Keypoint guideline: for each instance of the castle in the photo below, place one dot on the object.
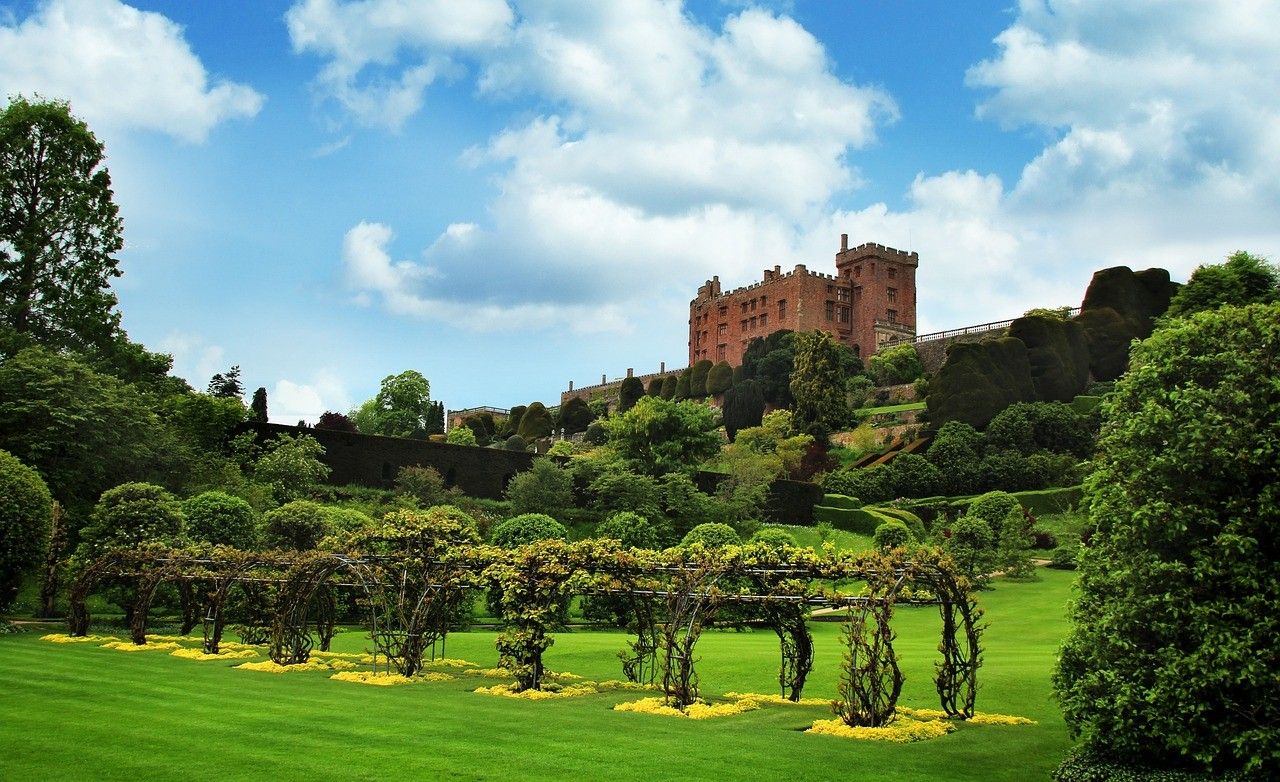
(870, 300)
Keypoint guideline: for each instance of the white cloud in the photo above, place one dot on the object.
(120, 68)
(290, 402)
(194, 359)
(383, 54)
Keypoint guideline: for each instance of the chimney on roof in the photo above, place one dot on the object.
(844, 242)
(604, 379)
(630, 371)
(570, 385)
(662, 367)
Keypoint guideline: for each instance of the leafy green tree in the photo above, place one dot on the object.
(219, 518)
(817, 383)
(535, 423)
(291, 466)
(911, 475)
(575, 416)
(770, 361)
(972, 545)
(629, 393)
(84, 432)
(698, 378)
(59, 232)
(528, 528)
(683, 503)
(630, 529)
(461, 435)
(1243, 279)
(1173, 652)
(258, 407)
(956, 451)
(131, 514)
(1041, 426)
(401, 408)
(743, 407)
(661, 436)
(338, 422)
(719, 379)
(896, 365)
(669, 387)
(227, 384)
(617, 489)
(299, 525)
(546, 488)
(206, 421)
(424, 485)
(26, 511)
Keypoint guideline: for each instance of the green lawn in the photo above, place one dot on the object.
(863, 412)
(77, 711)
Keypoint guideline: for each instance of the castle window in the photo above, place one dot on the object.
(893, 293)
(753, 323)
(893, 316)
(743, 326)
(873, 267)
(893, 272)
(831, 310)
(764, 320)
(722, 329)
(724, 312)
(844, 314)
(753, 305)
(764, 300)
(842, 294)
(782, 309)
(857, 270)
(744, 306)
(720, 352)
(830, 289)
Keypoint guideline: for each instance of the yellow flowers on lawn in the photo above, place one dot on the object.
(268, 666)
(508, 691)
(130, 646)
(902, 730)
(778, 700)
(387, 679)
(63, 638)
(999, 719)
(496, 673)
(202, 656)
(445, 662)
(694, 711)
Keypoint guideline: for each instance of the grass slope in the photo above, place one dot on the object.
(77, 711)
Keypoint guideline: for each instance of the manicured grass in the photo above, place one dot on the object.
(808, 537)
(863, 412)
(78, 711)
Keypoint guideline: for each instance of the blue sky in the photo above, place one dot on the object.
(508, 195)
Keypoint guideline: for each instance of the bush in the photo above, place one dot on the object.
(221, 519)
(719, 379)
(1058, 353)
(684, 503)
(910, 475)
(131, 514)
(461, 435)
(424, 485)
(743, 407)
(528, 528)
(971, 544)
(993, 507)
(892, 534)
(773, 537)
(895, 365)
(516, 443)
(630, 529)
(712, 535)
(1065, 554)
(347, 520)
(867, 484)
(596, 434)
(1175, 622)
(536, 423)
(1082, 765)
(546, 488)
(575, 415)
(841, 501)
(629, 393)
(26, 511)
(978, 380)
(616, 489)
(1041, 426)
(913, 522)
(956, 451)
(299, 525)
(291, 466)
(698, 378)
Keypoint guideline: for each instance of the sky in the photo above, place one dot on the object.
(508, 195)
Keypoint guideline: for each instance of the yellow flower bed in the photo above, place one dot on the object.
(445, 662)
(615, 684)
(339, 655)
(497, 673)
(999, 719)
(901, 731)
(565, 677)
(694, 711)
(201, 655)
(269, 666)
(130, 646)
(508, 691)
(63, 638)
(151, 638)
(778, 699)
(387, 679)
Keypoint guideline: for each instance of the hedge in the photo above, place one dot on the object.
(1041, 502)
(841, 501)
(862, 521)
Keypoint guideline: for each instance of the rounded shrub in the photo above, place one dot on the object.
(972, 545)
(527, 528)
(892, 534)
(516, 443)
(631, 529)
(349, 520)
(25, 511)
(993, 507)
(712, 535)
(773, 537)
(222, 519)
(595, 434)
(130, 514)
(299, 525)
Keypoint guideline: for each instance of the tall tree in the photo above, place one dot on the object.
(59, 231)
(817, 382)
(258, 407)
(1243, 279)
(227, 384)
(401, 408)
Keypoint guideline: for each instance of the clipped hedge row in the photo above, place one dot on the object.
(862, 521)
(1040, 502)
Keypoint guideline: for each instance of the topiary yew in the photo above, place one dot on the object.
(979, 380)
(219, 518)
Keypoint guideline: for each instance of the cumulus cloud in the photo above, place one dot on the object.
(381, 55)
(193, 358)
(290, 402)
(119, 67)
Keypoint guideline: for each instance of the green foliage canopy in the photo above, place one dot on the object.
(26, 508)
(132, 514)
(1243, 279)
(222, 519)
(629, 393)
(895, 365)
(546, 488)
(817, 383)
(660, 436)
